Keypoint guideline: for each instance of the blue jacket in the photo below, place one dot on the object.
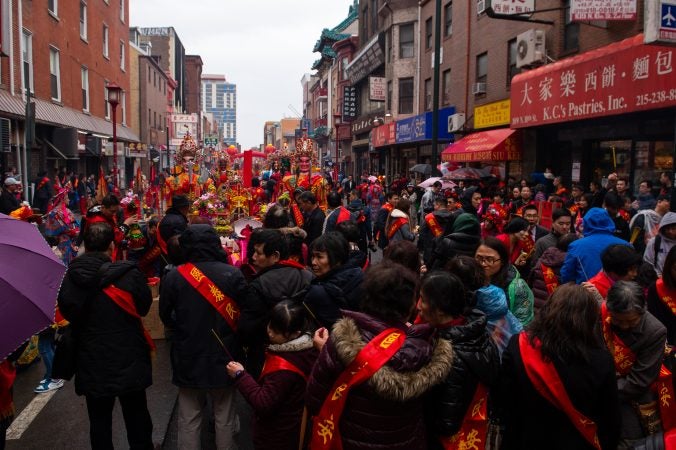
(583, 259)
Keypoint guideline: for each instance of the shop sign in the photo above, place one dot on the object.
(367, 60)
(660, 21)
(137, 150)
(349, 103)
(377, 88)
(621, 78)
(492, 115)
(419, 128)
(583, 10)
(385, 135)
(512, 6)
(363, 124)
(343, 132)
(183, 124)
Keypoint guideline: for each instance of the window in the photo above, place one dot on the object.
(374, 16)
(53, 7)
(85, 88)
(122, 10)
(511, 61)
(123, 104)
(149, 70)
(343, 65)
(482, 68)
(448, 18)
(388, 105)
(363, 21)
(571, 31)
(429, 33)
(405, 95)
(428, 94)
(83, 20)
(406, 41)
(122, 55)
(446, 87)
(150, 114)
(106, 107)
(105, 41)
(154, 78)
(154, 119)
(388, 50)
(27, 58)
(54, 74)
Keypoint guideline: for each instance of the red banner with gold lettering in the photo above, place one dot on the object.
(474, 428)
(433, 223)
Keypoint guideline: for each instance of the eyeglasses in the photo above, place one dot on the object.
(489, 260)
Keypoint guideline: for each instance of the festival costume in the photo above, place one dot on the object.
(309, 181)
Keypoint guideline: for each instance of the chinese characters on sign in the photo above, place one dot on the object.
(377, 89)
(623, 77)
(602, 10)
(349, 103)
(513, 6)
(492, 115)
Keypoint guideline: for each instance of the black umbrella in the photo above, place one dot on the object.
(424, 169)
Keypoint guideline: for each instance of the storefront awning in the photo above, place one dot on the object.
(620, 78)
(59, 152)
(492, 145)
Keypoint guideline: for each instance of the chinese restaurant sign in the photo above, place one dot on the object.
(581, 10)
(492, 115)
(513, 6)
(384, 135)
(623, 77)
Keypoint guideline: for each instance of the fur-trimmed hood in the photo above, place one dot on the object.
(411, 378)
(294, 231)
(303, 342)
(397, 213)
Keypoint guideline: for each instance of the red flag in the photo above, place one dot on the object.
(101, 187)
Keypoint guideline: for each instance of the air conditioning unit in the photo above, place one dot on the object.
(479, 88)
(480, 6)
(4, 136)
(530, 48)
(456, 122)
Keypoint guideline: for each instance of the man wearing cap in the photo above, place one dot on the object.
(8, 200)
(174, 222)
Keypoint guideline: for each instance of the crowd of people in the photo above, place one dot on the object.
(480, 327)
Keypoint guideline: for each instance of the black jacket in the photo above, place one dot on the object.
(172, 223)
(198, 361)
(338, 289)
(464, 240)
(113, 357)
(8, 202)
(475, 359)
(532, 423)
(314, 224)
(426, 237)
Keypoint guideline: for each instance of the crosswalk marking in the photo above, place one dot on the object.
(29, 413)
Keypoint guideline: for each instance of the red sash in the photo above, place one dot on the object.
(433, 223)
(388, 207)
(343, 215)
(624, 358)
(275, 363)
(225, 306)
(472, 433)
(42, 183)
(161, 242)
(297, 215)
(395, 226)
(550, 278)
(666, 295)
(7, 376)
(547, 382)
(291, 263)
(125, 300)
(325, 432)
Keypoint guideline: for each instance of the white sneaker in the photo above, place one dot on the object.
(48, 385)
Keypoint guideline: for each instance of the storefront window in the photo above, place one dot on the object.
(615, 157)
(652, 157)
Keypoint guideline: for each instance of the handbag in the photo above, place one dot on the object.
(65, 353)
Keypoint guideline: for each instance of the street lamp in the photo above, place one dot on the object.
(114, 93)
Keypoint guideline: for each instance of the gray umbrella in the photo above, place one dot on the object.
(424, 169)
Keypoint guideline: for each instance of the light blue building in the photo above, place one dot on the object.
(220, 99)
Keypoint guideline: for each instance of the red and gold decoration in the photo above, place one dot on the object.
(303, 160)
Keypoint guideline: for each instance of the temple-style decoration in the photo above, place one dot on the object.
(184, 180)
(302, 175)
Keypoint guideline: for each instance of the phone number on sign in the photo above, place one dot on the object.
(656, 97)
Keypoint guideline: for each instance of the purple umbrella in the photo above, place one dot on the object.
(30, 277)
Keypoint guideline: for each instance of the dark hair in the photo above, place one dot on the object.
(333, 199)
(308, 196)
(276, 217)
(287, 317)
(646, 275)
(648, 183)
(565, 240)
(349, 229)
(98, 236)
(589, 198)
(612, 200)
(153, 221)
(273, 241)
(335, 245)
(669, 262)
(404, 253)
(404, 205)
(470, 272)
(437, 184)
(500, 278)
(390, 291)
(444, 292)
(661, 197)
(110, 200)
(439, 200)
(389, 195)
(619, 259)
(567, 326)
(515, 225)
(540, 187)
(560, 212)
(529, 206)
(626, 296)
(577, 186)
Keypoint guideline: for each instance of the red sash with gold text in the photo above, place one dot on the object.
(472, 433)
(325, 433)
(395, 226)
(125, 300)
(624, 358)
(297, 215)
(275, 363)
(666, 295)
(550, 278)
(225, 306)
(433, 223)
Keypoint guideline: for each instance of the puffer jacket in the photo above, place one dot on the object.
(197, 359)
(404, 232)
(501, 323)
(476, 360)
(463, 240)
(665, 245)
(113, 357)
(552, 258)
(386, 411)
(336, 290)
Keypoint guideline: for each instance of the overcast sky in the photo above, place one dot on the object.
(263, 46)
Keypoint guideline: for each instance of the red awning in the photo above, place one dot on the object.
(492, 145)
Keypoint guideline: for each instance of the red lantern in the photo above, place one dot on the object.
(232, 150)
(270, 149)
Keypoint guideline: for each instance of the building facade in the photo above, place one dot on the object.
(219, 97)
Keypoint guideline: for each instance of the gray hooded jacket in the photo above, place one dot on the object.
(665, 245)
